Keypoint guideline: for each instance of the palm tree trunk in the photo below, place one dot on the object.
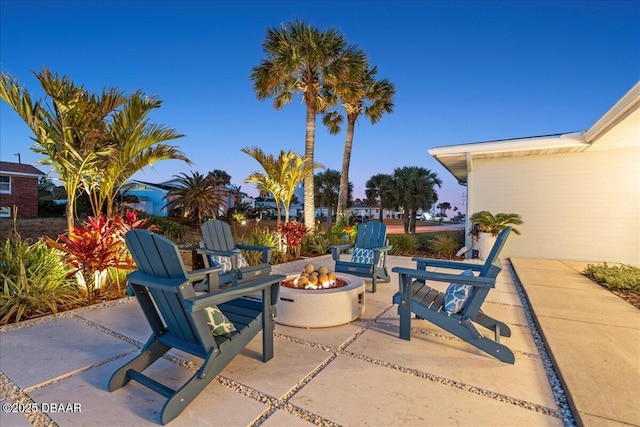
(405, 221)
(278, 214)
(329, 217)
(346, 160)
(309, 141)
(412, 225)
(70, 213)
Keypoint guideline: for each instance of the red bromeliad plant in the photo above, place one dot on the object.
(292, 234)
(96, 246)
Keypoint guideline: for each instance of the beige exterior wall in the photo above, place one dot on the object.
(576, 206)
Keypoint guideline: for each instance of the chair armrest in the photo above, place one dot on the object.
(342, 248)
(139, 278)
(266, 251)
(197, 275)
(423, 263)
(233, 254)
(383, 248)
(201, 302)
(214, 252)
(336, 250)
(478, 282)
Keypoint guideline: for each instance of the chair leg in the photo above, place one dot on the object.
(470, 334)
(492, 324)
(152, 351)
(177, 402)
(268, 325)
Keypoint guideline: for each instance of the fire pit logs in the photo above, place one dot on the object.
(312, 278)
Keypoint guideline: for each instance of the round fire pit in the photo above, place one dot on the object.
(321, 308)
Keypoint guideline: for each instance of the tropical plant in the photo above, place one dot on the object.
(300, 59)
(194, 196)
(137, 143)
(414, 190)
(281, 176)
(70, 132)
(93, 142)
(35, 281)
(318, 243)
(97, 246)
(403, 244)
(326, 194)
(292, 233)
(444, 206)
(360, 95)
(486, 222)
(170, 229)
(445, 246)
(346, 228)
(259, 236)
(380, 190)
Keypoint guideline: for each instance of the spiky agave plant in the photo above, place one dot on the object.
(485, 221)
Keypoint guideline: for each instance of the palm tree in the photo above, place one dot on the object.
(71, 132)
(236, 190)
(414, 190)
(220, 178)
(443, 209)
(137, 144)
(195, 196)
(379, 190)
(327, 187)
(299, 59)
(93, 142)
(281, 176)
(361, 95)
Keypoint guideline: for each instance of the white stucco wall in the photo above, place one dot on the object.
(576, 206)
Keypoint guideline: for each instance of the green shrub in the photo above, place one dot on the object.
(614, 277)
(170, 229)
(444, 246)
(259, 237)
(317, 243)
(35, 281)
(403, 244)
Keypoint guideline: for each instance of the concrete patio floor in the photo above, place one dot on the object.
(358, 374)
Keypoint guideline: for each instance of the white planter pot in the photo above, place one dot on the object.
(484, 244)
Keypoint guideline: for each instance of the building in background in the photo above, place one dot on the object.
(578, 193)
(19, 189)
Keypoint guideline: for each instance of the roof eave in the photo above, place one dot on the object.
(620, 110)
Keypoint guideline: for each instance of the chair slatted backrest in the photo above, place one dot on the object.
(371, 235)
(495, 251)
(159, 258)
(217, 236)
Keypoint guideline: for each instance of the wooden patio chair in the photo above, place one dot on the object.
(369, 257)
(220, 250)
(185, 321)
(459, 309)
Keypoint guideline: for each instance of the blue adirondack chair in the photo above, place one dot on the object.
(179, 319)
(415, 296)
(220, 247)
(369, 258)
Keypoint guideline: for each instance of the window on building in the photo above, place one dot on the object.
(5, 184)
(5, 212)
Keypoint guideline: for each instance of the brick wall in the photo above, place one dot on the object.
(24, 194)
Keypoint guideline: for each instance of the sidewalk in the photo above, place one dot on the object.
(359, 374)
(593, 338)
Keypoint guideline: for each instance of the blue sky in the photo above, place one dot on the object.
(464, 72)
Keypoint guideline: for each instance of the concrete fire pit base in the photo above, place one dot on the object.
(310, 308)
